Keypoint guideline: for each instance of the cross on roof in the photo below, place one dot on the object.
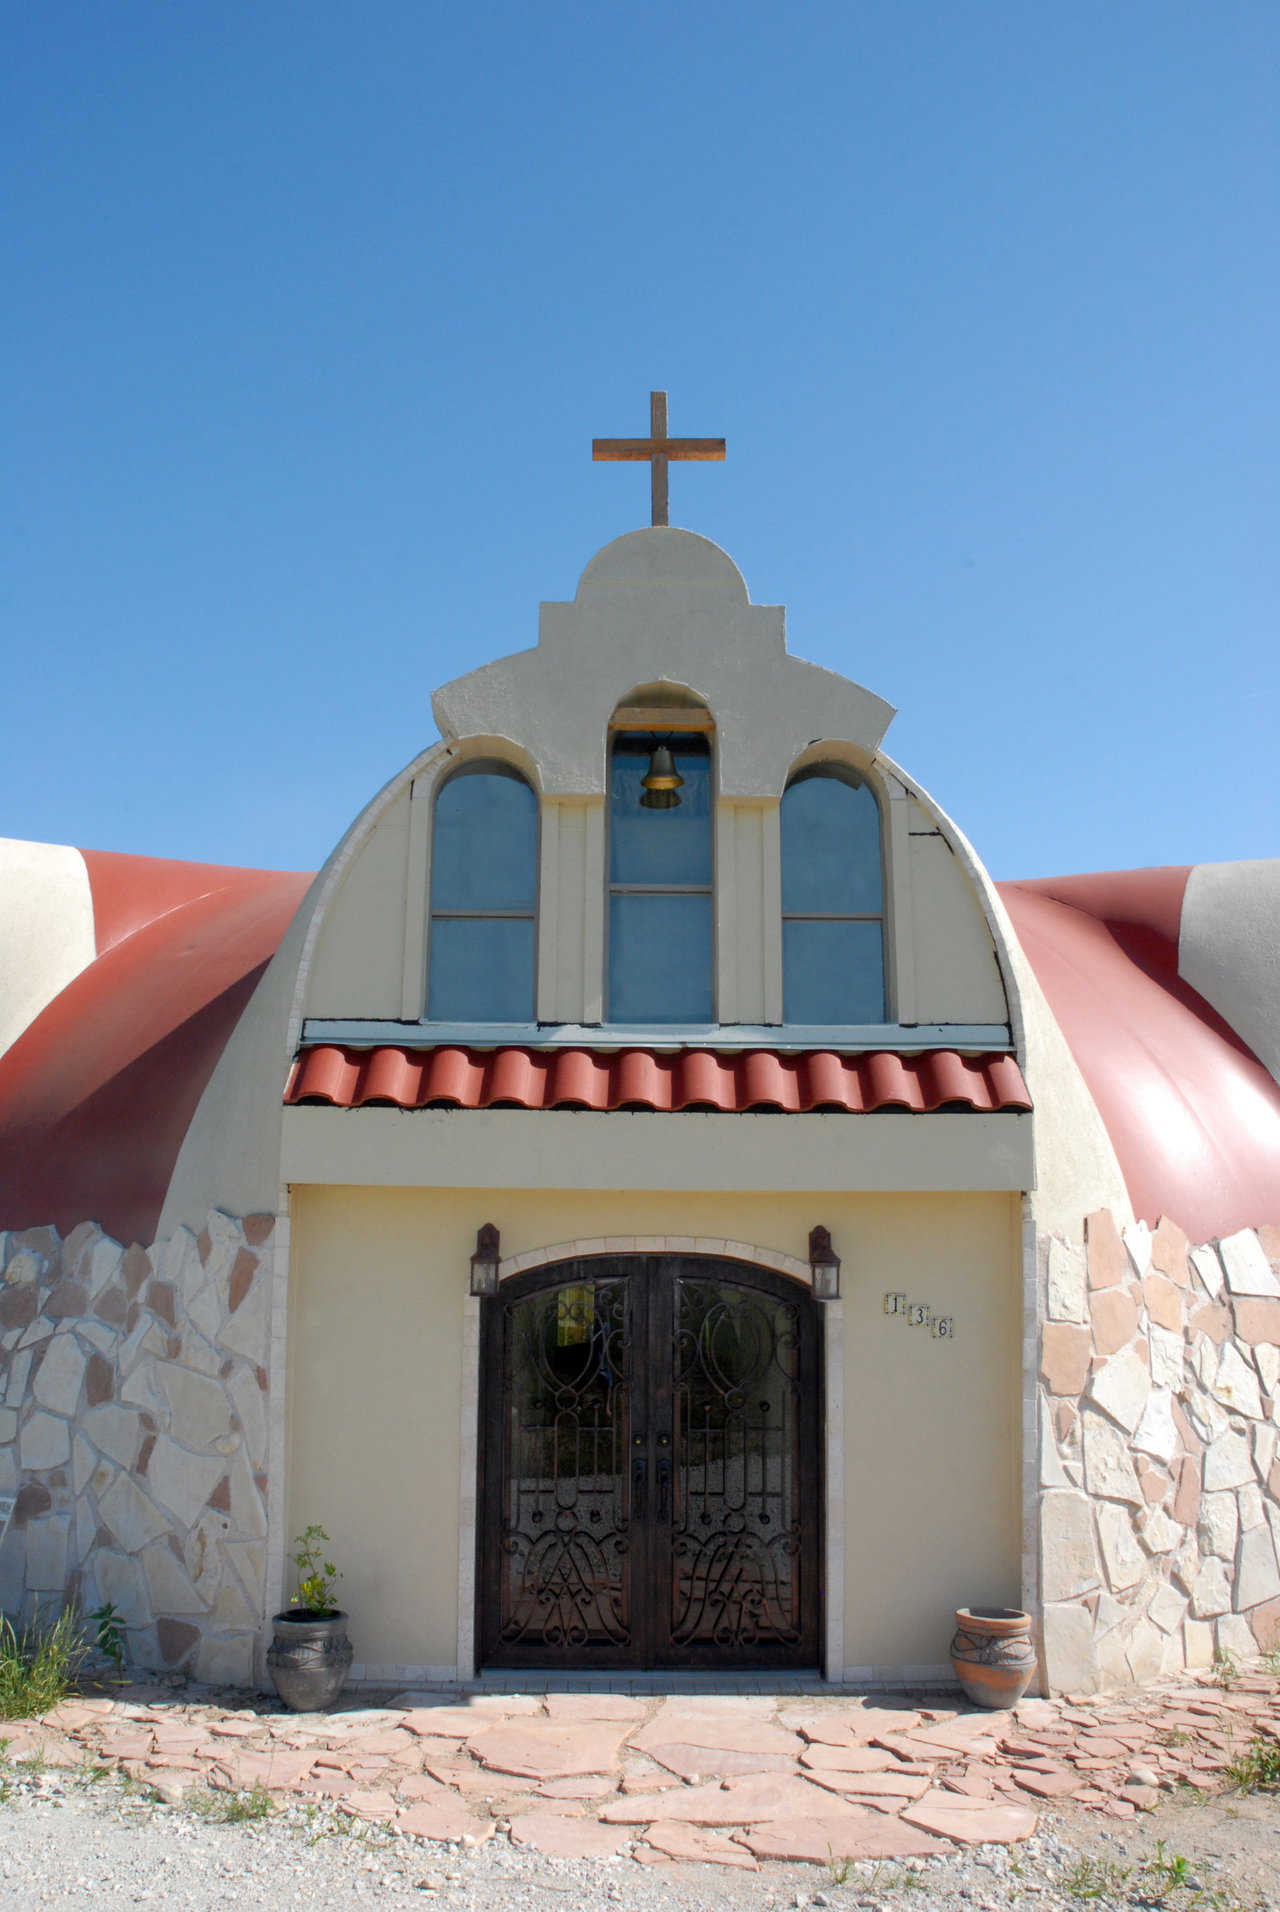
(658, 450)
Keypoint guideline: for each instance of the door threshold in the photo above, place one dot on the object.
(643, 1680)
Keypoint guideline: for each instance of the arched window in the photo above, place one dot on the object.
(832, 900)
(660, 879)
(484, 865)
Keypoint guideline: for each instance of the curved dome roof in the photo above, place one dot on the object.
(98, 1092)
(1193, 1115)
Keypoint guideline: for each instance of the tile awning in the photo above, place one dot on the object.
(809, 1081)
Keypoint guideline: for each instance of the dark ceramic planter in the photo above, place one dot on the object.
(992, 1654)
(309, 1658)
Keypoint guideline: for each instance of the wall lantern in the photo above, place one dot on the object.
(484, 1263)
(661, 782)
(824, 1265)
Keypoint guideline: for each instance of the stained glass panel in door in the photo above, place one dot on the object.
(737, 1517)
(564, 1519)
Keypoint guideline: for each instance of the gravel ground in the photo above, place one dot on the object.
(68, 1840)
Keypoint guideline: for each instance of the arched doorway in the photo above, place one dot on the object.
(650, 1460)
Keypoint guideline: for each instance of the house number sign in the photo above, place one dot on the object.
(7, 1504)
(918, 1314)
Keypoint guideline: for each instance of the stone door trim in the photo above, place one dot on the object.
(769, 1258)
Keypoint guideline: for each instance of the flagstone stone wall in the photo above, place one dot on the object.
(1159, 1413)
(133, 1433)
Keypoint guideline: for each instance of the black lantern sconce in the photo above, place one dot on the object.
(484, 1263)
(824, 1265)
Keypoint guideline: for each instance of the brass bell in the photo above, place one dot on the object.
(661, 782)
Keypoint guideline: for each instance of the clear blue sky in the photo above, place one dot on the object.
(311, 313)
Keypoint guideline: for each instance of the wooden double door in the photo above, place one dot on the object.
(650, 1466)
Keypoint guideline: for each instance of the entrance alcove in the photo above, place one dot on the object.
(651, 1490)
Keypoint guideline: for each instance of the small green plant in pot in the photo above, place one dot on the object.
(310, 1654)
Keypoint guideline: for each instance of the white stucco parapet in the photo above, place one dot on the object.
(661, 607)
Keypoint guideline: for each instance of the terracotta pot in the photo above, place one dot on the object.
(992, 1654)
(308, 1658)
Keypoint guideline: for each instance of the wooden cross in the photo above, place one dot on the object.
(658, 450)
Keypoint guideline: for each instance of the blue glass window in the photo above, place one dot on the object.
(660, 941)
(484, 867)
(832, 901)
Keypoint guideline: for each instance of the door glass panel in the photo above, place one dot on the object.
(565, 1515)
(737, 1530)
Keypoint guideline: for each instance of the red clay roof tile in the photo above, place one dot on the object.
(696, 1079)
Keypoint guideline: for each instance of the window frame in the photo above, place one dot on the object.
(481, 767)
(832, 770)
(651, 738)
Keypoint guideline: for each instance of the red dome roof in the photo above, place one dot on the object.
(1193, 1116)
(96, 1096)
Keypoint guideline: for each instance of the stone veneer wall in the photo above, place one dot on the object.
(133, 1431)
(1159, 1437)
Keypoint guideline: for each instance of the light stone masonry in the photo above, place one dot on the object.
(1171, 1553)
(134, 1434)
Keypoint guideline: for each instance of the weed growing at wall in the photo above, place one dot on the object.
(38, 1665)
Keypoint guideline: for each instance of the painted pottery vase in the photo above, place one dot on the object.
(992, 1654)
(309, 1658)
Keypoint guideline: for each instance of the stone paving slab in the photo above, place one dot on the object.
(727, 1779)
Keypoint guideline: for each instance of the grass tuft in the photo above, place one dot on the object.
(234, 1809)
(1225, 1671)
(1096, 1879)
(38, 1665)
(1257, 1769)
(1169, 1875)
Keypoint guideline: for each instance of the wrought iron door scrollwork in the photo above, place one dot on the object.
(736, 1542)
(650, 1485)
(565, 1518)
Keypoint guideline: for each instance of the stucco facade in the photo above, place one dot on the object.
(292, 1337)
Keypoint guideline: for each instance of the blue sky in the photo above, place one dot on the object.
(311, 313)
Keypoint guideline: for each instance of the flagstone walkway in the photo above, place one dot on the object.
(729, 1779)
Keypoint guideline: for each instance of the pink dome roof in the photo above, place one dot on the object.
(1192, 1114)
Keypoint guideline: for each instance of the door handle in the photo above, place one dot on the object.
(664, 1487)
(639, 1466)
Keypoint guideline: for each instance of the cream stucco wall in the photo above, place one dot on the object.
(359, 952)
(370, 950)
(375, 1349)
(956, 977)
(663, 606)
(932, 1444)
(377, 1303)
